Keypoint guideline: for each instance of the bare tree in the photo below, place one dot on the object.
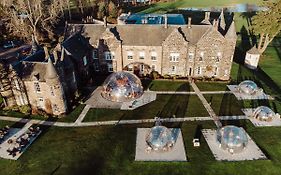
(33, 17)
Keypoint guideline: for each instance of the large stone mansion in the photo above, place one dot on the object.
(49, 82)
(204, 50)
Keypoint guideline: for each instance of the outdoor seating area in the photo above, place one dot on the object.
(4, 132)
(14, 146)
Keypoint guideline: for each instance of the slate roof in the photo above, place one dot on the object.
(31, 69)
(254, 51)
(76, 45)
(138, 35)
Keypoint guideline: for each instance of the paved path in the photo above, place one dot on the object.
(116, 122)
(83, 114)
(206, 105)
(182, 92)
(112, 122)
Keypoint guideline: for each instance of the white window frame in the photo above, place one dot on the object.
(153, 55)
(95, 55)
(153, 69)
(199, 70)
(201, 57)
(40, 102)
(130, 54)
(226, 72)
(130, 67)
(173, 69)
(109, 55)
(142, 55)
(218, 58)
(37, 87)
(85, 61)
(174, 57)
(109, 67)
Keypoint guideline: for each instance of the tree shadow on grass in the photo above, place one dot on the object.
(176, 105)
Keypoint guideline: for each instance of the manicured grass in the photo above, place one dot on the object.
(111, 150)
(73, 115)
(170, 6)
(212, 86)
(165, 106)
(225, 104)
(168, 85)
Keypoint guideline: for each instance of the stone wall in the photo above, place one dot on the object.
(50, 98)
(175, 44)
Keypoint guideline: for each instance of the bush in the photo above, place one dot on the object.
(25, 109)
(154, 75)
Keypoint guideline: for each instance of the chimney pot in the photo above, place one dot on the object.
(55, 53)
(104, 21)
(189, 22)
(47, 56)
(166, 21)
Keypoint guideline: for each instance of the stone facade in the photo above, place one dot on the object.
(196, 51)
(45, 82)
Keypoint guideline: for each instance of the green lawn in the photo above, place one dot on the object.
(164, 106)
(73, 115)
(170, 6)
(212, 86)
(225, 104)
(111, 150)
(168, 85)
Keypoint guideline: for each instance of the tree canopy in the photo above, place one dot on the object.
(32, 17)
(267, 24)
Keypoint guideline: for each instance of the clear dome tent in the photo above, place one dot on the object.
(249, 87)
(232, 139)
(263, 113)
(160, 138)
(122, 87)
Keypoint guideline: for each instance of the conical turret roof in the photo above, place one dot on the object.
(222, 21)
(231, 33)
(51, 72)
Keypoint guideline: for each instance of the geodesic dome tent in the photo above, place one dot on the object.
(249, 87)
(122, 87)
(232, 138)
(263, 113)
(160, 138)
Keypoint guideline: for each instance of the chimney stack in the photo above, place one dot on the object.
(189, 22)
(104, 21)
(55, 53)
(215, 24)
(166, 21)
(47, 56)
